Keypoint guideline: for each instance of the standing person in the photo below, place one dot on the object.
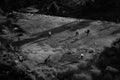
(77, 33)
(49, 34)
(87, 32)
(47, 60)
(82, 56)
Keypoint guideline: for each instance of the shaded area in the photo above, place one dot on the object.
(108, 62)
(87, 9)
(12, 73)
(9, 69)
(105, 28)
(116, 32)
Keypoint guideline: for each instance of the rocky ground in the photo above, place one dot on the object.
(57, 48)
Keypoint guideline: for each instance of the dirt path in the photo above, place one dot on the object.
(70, 26)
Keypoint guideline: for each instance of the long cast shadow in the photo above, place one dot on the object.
(70, 26)
(116, 32)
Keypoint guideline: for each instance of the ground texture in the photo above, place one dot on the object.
(71, 52)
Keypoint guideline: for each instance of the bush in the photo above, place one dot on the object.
(108, 62)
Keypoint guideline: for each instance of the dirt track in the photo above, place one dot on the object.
(70, 26)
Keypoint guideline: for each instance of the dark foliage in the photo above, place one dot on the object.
(108, 62)
(89, 9)
(10, 72)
